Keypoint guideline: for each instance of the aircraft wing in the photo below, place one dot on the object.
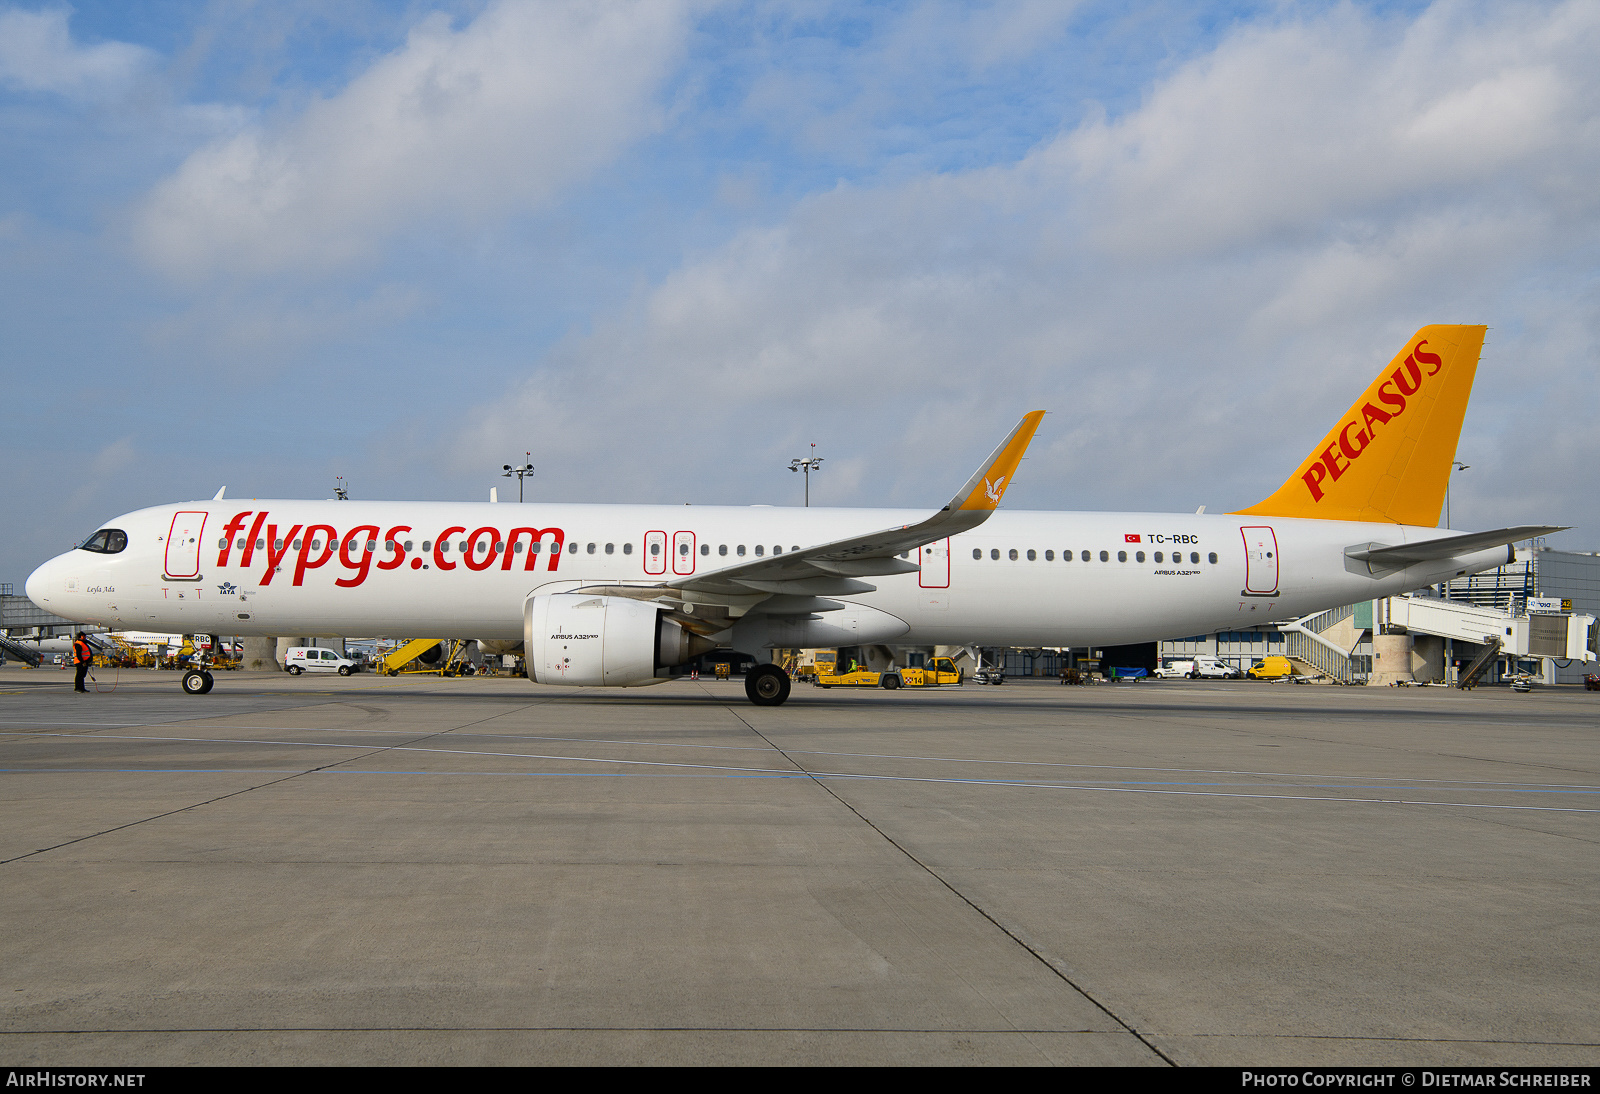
(833, 568)
(1378, 554)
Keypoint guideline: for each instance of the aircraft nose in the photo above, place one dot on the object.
(41, 582)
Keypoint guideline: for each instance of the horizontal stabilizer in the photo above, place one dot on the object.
(1399, 555)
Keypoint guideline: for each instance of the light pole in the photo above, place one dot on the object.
(813, 463)
(1455, 466)
(520, 472)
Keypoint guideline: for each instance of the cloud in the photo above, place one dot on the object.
(37, 53)
(457, 126)
(1195, 288)
(1286, 127)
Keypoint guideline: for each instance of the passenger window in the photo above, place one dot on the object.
(722, 549)
(1033, 555)
(740, 551)
(533, 548)
(683, 549)
(1013, 554)
(994, 553)
(655, 550)
(611, 548)
(1086, 556)
(1049, 556)
(758, 550)
(1138, 556)
(1194, 557)
(627, 548)
(705, 549)
(776, 549)
(1158, 556)
(572, 548)
(1105, 556)
(1122, 556)
(977, 552)
(1213, 557)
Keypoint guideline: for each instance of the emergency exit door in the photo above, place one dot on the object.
(935, 559)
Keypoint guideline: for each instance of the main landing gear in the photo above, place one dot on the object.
(197, 682)
(766, 685)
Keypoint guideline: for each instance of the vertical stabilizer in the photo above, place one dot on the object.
(1389, 456)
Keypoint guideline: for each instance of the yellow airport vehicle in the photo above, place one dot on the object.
(1271, 668)
(809, 664)
(856, 677)
(447, 662)
(942, 672)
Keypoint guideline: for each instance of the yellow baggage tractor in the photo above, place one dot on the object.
(941, 672)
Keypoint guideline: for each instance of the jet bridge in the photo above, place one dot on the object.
(1569, 636)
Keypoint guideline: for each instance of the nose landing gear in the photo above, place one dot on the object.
(197, 682)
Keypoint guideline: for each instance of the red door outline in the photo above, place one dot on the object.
(655, 563)
(682, 562)
(1261, 560)
(183, 543)
(934, 559)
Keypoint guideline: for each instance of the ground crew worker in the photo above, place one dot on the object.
(83, 657)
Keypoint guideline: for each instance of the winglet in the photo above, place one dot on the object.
(219, 493)
(985, 489)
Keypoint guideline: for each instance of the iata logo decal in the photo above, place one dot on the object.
(1356, 435)
(995, 489)
(227, 588)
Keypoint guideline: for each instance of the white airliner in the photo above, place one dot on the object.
(618, 595)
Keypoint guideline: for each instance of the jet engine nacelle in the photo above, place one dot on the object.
(602, 641)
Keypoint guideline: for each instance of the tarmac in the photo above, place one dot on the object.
(417, 870)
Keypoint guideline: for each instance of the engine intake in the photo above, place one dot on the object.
(602, 641)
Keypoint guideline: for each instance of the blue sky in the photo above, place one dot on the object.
(667, 246)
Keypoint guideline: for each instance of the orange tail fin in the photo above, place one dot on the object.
(1389, 456)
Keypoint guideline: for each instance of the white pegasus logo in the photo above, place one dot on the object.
(994, 489)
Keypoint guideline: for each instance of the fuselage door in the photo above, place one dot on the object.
(935, 558)
(683, 552)
(655, 552)
(183, 544)
(1261, 560)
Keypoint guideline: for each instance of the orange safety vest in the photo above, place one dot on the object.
(82, 652)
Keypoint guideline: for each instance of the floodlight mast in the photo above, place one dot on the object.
(522, 471)
(812, 463)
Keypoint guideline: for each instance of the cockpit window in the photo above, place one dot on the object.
(107, 541)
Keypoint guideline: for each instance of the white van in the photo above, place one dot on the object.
(316, 659)
(1209, 668)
